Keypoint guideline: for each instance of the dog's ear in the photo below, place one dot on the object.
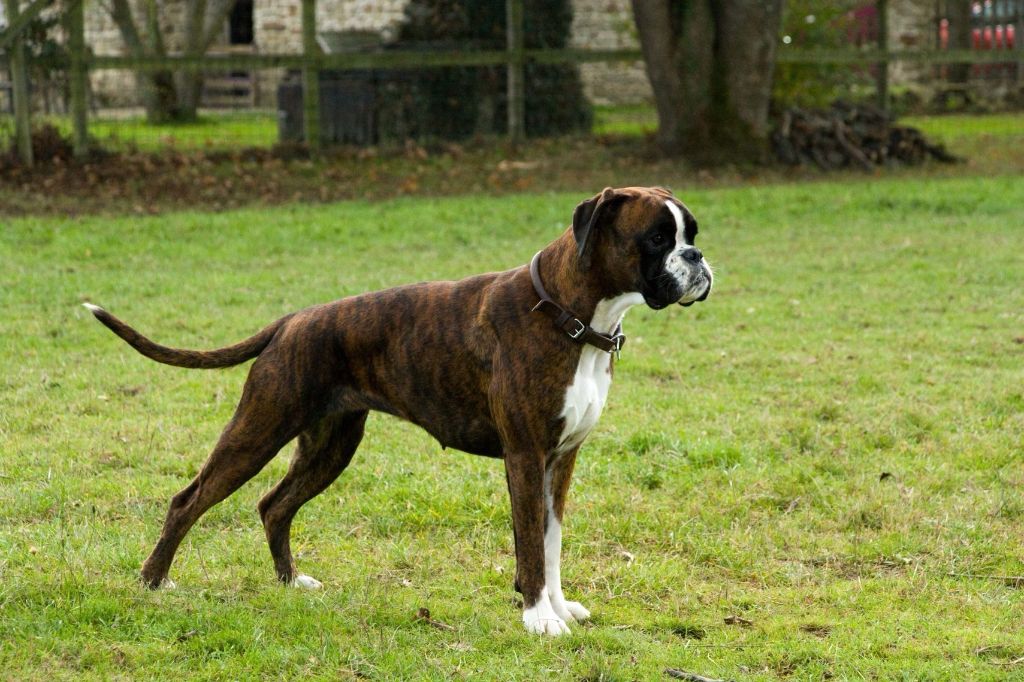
(586, 219)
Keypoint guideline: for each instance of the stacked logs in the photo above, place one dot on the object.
(848, 135)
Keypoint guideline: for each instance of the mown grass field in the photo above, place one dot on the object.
(227, 130)
(829, 449)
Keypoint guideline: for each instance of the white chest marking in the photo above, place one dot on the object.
(586, 395)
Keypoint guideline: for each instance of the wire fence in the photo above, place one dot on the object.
(252, 89)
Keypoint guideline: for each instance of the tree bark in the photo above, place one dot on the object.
(710, 63)
(748, 32)
(203, 23)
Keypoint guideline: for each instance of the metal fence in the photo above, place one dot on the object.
(258, 99)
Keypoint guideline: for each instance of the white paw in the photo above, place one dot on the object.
(578, 612)
(569, 611)
(541, 619)
(306, 582)
(167, 584)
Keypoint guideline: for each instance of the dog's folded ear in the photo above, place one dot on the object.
(587, 218)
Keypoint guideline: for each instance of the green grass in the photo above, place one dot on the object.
(949, 127)
(625, 119)
(962, 132)
(213, 131)
(858, 328)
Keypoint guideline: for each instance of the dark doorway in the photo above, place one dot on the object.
(240, 23)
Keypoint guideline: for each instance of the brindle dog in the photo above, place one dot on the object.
(469, 361)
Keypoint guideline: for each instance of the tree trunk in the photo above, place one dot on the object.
(159, 97)
(710, 63)
(165, 96)
(748, 32)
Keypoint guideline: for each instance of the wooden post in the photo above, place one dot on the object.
(514, 37)
(1018, 41)
(19, 78)
(77, 77)
(882, 83)
(310, 77)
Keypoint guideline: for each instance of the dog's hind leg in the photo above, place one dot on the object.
(251, 439)
(324, 451)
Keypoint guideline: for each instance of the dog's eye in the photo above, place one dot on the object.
(658, 239)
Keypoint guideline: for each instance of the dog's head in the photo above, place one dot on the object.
(642, 238)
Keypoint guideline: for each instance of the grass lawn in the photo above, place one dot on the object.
(215, 130)
(829, 449)
(962, 132)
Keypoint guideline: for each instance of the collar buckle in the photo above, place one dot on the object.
(575, 328)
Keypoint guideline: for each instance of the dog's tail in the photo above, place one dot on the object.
(196, 359)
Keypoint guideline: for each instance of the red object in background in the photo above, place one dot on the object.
(986, 37)
(862, 28)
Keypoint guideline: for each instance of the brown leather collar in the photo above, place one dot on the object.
(577, 330)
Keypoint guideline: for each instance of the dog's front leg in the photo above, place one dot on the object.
(525, 471)
(557, 476)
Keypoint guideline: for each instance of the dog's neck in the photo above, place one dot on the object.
(573, 287)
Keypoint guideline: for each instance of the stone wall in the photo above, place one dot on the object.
(277, 28)
(118, 89)
(608, 25)
(911, 27)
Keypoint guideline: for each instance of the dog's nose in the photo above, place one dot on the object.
(693, 255)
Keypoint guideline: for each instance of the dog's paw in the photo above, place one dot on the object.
(577, 611)
(541, 619)
(569, 611)
(167, 584)
(305, 582)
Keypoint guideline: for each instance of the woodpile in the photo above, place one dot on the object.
(848, 135)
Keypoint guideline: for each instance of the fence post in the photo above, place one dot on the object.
(77, 76)
(882, 83)
(1018, 41)
(19, 78)
(514, 37)
(310, 77)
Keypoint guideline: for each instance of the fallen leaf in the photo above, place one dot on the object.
(738, 620)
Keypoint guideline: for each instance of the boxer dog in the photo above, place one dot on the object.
(514, 365)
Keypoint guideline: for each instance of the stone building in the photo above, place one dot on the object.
(275, 27)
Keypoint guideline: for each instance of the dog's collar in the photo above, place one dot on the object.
(575, 328)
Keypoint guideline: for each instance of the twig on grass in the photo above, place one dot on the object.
(690, 677)
(1008, 580)
(423, 614)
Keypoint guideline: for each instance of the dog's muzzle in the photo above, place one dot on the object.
(705, 280)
